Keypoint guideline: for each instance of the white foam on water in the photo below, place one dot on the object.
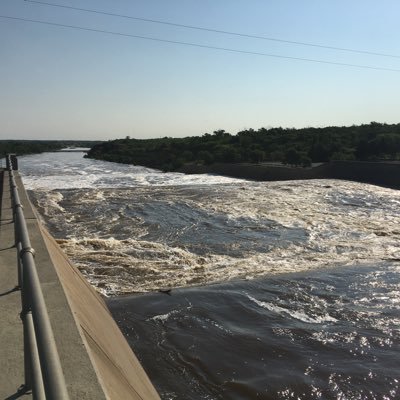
(72, 171)
(51, 205)
(299, 315)
(165, 317)
(126, 266)
(345, 223)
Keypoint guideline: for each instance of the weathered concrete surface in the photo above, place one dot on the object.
(97, 362)
(11, 330)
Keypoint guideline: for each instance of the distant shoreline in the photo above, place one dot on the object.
(386, 174)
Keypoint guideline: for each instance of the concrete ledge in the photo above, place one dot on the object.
(118, 369)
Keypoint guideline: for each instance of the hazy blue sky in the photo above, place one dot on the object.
(57, 82)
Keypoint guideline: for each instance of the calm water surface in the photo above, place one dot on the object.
(299, 295)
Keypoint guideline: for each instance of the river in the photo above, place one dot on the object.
(278, 290)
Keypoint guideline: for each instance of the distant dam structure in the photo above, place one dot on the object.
(57, 338)
(73, 150)
(382, 173)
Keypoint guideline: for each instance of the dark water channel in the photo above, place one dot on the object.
(332, 334)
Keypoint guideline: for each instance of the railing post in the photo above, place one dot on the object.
(27, 355)
(36, 376)
(20, 276)
(25, 308)
(12, 162)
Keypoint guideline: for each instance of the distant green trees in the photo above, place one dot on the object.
(296, 158)
(296, 147)
(21, 147)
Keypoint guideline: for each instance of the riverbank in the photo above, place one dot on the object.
(378, 173)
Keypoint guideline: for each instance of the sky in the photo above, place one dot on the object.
(59, 82)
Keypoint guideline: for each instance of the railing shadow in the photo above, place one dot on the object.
(8, 248)
(22, 391)
(14, 289)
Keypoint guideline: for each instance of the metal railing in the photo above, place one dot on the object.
(43, 372)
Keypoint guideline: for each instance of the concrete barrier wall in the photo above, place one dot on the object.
(255, 171)
(378, 173)
(96, 359)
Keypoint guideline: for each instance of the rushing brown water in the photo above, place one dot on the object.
(307, 304)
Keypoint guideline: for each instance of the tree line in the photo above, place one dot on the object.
(298, 147)
(22, 147)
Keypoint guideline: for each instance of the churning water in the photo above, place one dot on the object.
(308, 295)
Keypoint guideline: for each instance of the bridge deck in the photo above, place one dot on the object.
(11, 329)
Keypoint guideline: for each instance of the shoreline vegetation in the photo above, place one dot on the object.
(295, 147)
(24, 147)
(368, 153)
